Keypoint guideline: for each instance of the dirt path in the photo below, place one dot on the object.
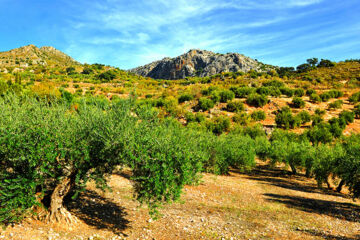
(264, 204)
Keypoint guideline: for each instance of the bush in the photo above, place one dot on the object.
(241, 118)
(309, 92)
(335, 93)
(320, 133)
(357, 111)
(185, 97)
(215, 96)
(347, 116)
(205, 104)
(355, 98)
(285, 119)
(304, 116)
(274, 83)
(235, 106)
(226, 96)
(297, 103)
(107, 76)
(287, 91)
(299, 92)
(218, 125)
(325, 96)
(315, 98)
(242, 92)
(336, 104)
(258, 115)
(257, 100)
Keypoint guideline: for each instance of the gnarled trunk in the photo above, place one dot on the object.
(57, 211)
(340, 186)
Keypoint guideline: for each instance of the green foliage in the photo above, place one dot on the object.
(218, 125)
(347, 116)
(107, 76)
(235, 106)
(320, 133)
(309, 92)
(215, 96)
(226, 96)
(274, 83)
(355, 98)
(205, 104)
(185, 97)
(315, 98)
(287, 91)
(242, 92)
(258, 115)
(285, 119)
(357, 111)
(299, 92)
(297, 103)
(241, 118)
(304, 116)
(257, 100)
(325, 96)
(336, 104)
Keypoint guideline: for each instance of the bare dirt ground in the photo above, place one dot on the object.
(266, 203)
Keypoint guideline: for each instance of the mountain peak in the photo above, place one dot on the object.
(30, 55)
(197, 62)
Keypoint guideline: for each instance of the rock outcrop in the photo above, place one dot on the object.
(200, 63)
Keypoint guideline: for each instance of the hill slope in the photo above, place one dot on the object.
(198, 63)
(27, 56)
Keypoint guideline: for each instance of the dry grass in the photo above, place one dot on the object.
(263, 204)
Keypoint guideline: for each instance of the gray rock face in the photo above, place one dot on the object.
(197, 63)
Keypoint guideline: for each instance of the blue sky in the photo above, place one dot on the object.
(127, 34)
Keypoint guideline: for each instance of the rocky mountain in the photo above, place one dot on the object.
(200, 63)
(29, 56)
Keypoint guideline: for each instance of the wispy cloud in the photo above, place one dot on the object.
(131, 33)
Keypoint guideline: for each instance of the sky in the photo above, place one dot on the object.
(130, 33)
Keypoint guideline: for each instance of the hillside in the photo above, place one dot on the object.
(28, 56)
(200, 63)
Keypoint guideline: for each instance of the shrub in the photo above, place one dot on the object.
(309, 92)
(336, 104)
(242, 92)
(347, 116)
(287, 91)
(241, 118)
(355, 98)
(107, 76)
(215, 96)
(218, 125)
(299, 92)
(209, 90)
(325, 96)
(226, 96)
(273, 83)
(320, 133)
(336, 93)
(357, 111)
(315, 98)
(235, 106)
(297, 103)
(285, 119)
(205, 104)
(258, 115)
(185, 97)
(304, 116)
(257, 100)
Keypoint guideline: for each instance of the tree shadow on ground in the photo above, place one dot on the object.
(285, 179)
(98, 211)
(344, 211)
(324, 235)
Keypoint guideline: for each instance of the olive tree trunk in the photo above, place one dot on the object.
(57, 211)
